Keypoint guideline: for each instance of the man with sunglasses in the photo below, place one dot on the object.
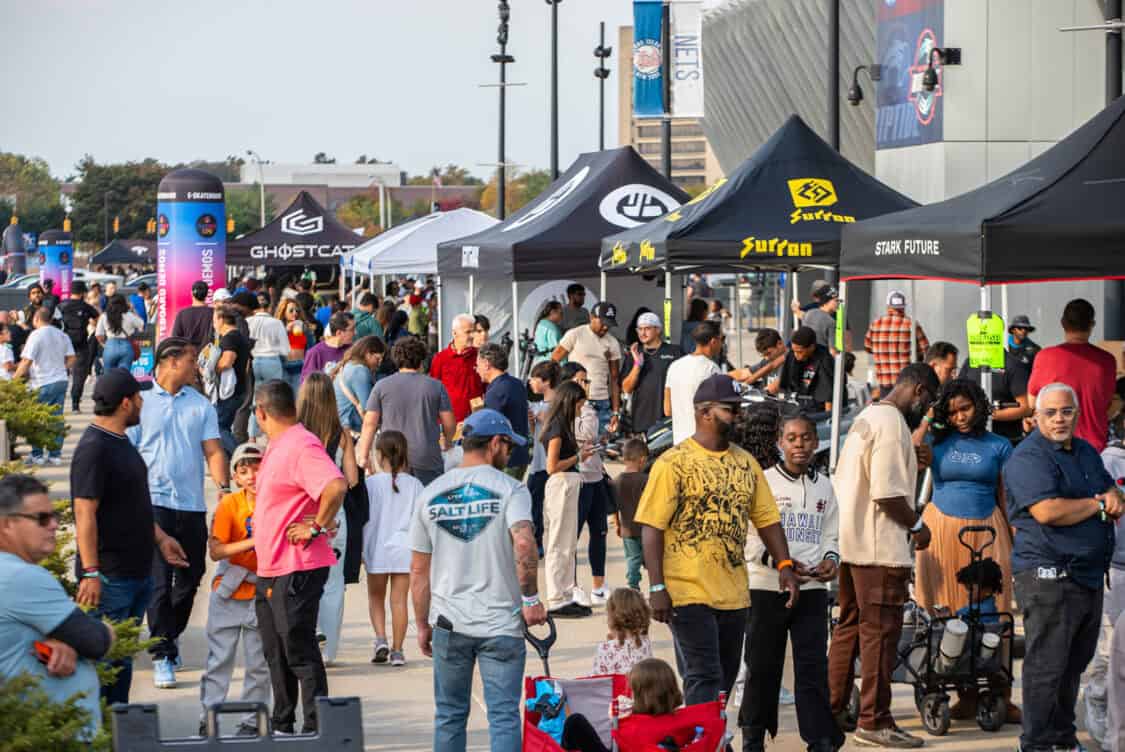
(1062, 504)
(874, 482)
(42, 632)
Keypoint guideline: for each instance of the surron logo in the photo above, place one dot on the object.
(298, 223)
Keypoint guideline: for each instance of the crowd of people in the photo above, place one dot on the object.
(345, 438)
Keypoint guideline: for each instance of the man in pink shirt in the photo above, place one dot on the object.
(300, 489)
(1090, 371)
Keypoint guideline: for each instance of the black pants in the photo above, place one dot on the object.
(537, 485)
(83, 362)
(593, 501)
(708, 646)
(770, 626)
(173, 589)
(1061, 620)
(579, 734)
(287, 608)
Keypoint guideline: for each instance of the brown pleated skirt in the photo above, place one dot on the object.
(936, 568)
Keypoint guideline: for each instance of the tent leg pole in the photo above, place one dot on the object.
(472, 296)
(667, 306)
(1004, 309)
(441, 313)
(601, 294)
(515, 356)
(985, 371)
(912, 308)
(795, 278)
(838, 392)
(736, 303)
(353, 289)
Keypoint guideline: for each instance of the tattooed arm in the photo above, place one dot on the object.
(527, 571)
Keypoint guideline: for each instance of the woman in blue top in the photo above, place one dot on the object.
(547, 330)
(354, 379)
(967, 491)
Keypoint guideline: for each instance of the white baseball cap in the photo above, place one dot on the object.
(896, 299)
(221, 294)
(649, 319)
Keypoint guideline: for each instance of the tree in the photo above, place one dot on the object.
(28, 190)
(451, 174)
(521, 189)
(243, 204)
(229, 170)
(129, 189)
(363, 211)
(322, 158)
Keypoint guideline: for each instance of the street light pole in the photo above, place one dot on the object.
(601, 52)
(554, 88)
(834, 73)
(666, 123)
(503, 58)
(261, 187)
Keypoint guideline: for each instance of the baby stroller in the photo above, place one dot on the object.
(697, 728)
(943, 654)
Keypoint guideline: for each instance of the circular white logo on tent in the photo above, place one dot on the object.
(635, 204)
(556, 198)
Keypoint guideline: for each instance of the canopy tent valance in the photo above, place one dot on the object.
(412, 247)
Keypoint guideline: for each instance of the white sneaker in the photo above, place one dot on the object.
(598, 597)
(54, 461)
(785, 697)
(581, 598)
(34, 461)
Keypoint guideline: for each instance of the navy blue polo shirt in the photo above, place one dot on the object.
(508, 396)
(1040, 469)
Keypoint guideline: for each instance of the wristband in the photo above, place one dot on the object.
(784, 564)
(917, 526)
(659, 588)
(833, 557)
(317, 530)
(91, 573)
(1101, 510)
(530, 601)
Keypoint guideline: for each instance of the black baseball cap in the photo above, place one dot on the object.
(78, 287)
(719, 388)
(115, 385)
(607, 312)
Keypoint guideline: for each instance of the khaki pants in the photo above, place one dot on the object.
(560, 536)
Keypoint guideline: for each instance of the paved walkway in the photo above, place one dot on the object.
(397, 702)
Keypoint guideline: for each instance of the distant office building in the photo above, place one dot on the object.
(330, 175)
(693, 162)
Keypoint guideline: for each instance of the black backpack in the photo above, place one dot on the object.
(75, 317)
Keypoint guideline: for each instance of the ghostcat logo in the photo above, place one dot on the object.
(299, 223)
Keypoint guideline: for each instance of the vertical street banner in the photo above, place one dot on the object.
(906, 114)
(648, 59)
(687, 58)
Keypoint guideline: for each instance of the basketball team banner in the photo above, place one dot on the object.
(687, 58)
(648, 58)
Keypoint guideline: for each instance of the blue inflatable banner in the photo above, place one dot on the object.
(648, 58)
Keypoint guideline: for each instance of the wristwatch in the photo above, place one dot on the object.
(917, 527)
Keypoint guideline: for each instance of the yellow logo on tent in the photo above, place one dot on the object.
(648, 251)
(812, 192)
(774, 247)
(620, 256)
(676, 216)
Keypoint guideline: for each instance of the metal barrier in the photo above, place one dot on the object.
(136, 728)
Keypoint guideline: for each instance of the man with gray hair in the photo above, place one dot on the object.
(1062, 504)
(455, 368)
(506, 395)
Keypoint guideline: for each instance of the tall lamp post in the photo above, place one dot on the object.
(554, 88)
(503, 58)
(261, 187)
(601, 53)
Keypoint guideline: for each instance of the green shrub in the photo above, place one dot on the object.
(28, 418)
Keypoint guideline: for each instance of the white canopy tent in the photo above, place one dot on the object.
(412, 247)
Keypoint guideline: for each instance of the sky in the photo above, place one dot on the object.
(129, 79)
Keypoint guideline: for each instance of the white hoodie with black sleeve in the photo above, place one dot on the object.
(810, 518)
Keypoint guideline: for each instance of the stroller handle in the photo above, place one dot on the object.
(542, 645)
(977, 529)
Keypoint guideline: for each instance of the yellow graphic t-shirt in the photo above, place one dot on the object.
(705, 502)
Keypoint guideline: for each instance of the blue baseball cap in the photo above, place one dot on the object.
(489, 422)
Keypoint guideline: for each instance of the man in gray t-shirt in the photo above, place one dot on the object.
(822, 319)
(415, 405)
(473, 574)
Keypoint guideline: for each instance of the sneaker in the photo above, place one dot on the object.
(598, 597)
(845, 721)
(397, 658)
(571, 611)
(581, 598)
(54, 461)
(178, 662)
(382, 650)
(785, 697)
(246, 729)
(163, 674)
(36, 460)
(891, 736)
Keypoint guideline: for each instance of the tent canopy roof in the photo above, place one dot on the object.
(559, 234)
(412, 247)
(127, 251)
(1057, 217)
(304, 234)
(783, 207)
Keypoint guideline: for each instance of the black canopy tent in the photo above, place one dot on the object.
(305, 234)
(126, 251)
(783, 208)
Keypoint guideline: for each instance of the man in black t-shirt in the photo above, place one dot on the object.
(645, 378)
(234, 349)
(113, 519)
(194, 323)
(1009, 385)
(76, 317)
(807, 371)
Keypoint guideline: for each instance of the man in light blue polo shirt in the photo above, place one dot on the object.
(178, 434)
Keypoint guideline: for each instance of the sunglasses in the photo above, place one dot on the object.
(44, 519)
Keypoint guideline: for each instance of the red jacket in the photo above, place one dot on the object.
(458, 374)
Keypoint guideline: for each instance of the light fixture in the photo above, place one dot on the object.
(855, 93)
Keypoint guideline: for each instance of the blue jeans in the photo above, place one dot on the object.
(52, 394)
(225, 409)
(634, 560)
(604, 412)
(501, 671)
(118, 353)
(123, 598)
(293, 374)
(266, 368)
